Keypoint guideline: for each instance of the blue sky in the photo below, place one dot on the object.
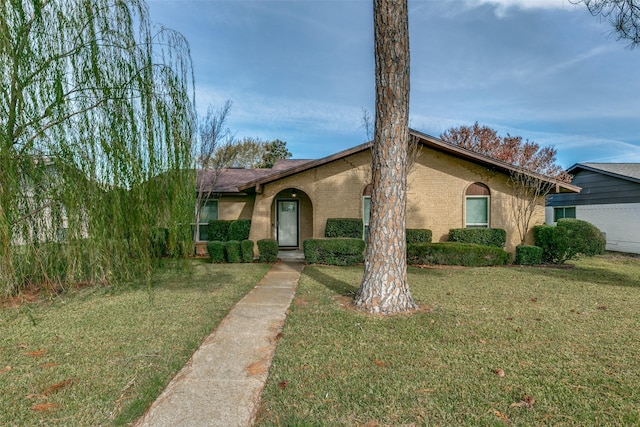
(302, 71)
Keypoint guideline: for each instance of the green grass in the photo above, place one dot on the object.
(100, 356)
(568, 338)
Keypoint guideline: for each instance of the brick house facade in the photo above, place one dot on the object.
(448, 187)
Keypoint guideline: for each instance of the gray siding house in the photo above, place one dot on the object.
(610, 199)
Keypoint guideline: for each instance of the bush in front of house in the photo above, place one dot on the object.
(418, 235)
(268, 250)
(479, 236)
(219, 230)
(344, 227)
(528, 255)
(246, 247)
(216, 251)
(239, 229)
(453, 253)
(334, 251)
(232, 251)
(569, 239)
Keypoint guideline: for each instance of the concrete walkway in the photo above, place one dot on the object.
(222, 382)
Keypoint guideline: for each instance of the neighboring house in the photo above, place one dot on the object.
(448, 187)
(610, 199)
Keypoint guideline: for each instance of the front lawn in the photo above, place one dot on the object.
(99, 356)
(499, 346)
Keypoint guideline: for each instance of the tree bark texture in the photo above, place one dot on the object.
(384, 286)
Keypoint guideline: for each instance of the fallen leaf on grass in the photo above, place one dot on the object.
(602, 307)
(57, 386)
(5, 369)
(36, 353)
(44, 407)
(283, 384)
(534, 299)
(379, 363)
(526, 402)
(499, 372)
(48, 365)
(502, 416)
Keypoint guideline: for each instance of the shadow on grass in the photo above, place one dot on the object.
(601, 276)
(334, 284)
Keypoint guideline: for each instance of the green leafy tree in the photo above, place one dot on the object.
(96, 121)
(275, 150)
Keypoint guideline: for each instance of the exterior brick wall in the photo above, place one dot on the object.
(436, 196)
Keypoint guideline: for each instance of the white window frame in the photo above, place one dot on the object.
(467, 224)
(206, 223)
(564, 211)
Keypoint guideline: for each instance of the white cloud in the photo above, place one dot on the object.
(503, 6)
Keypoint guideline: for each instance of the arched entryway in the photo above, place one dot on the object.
(292, 215)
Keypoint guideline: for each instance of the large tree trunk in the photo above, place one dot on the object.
(384, 286)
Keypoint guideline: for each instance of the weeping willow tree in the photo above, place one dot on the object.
(96, 123)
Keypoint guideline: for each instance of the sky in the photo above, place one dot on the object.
(302, 71)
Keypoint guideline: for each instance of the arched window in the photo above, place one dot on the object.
(366, 210)
(477, 206)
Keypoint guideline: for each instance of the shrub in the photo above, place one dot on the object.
(448, 253)
(336, 251)
(246, 247)
(569, 239)
(418, 235)
(268, 250)
(219, 230)
(479, 236)
(239, 229)
(344, 227)
(216, 251)
(528, 255)
(233, 251)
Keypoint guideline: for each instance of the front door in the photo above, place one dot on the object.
(287, 223)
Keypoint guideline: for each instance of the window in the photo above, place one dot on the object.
(564, 212)
(366, 213)
(208, 212)
(477, 206)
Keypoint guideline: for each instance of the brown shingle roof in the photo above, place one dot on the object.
(229, 180)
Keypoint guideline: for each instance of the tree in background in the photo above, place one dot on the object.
(275, 150)
(214, 148)
(251, 153)
(384, 286)
(96, 124)
(529, 181)
(624, 16)
(509, 149)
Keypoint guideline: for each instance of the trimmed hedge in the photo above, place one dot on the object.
(335, 251)
(344, 227)
(418, 235)
(216, 251)
(528, 255)
(219, 230)
(480, 236)
(246, 247)
(233, 251)
(452, 253)
(569, 239)
(239, 229)
(268, 249)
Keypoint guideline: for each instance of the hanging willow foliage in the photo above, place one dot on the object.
(96, 124)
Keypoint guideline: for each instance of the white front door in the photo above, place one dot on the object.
(287, 223)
